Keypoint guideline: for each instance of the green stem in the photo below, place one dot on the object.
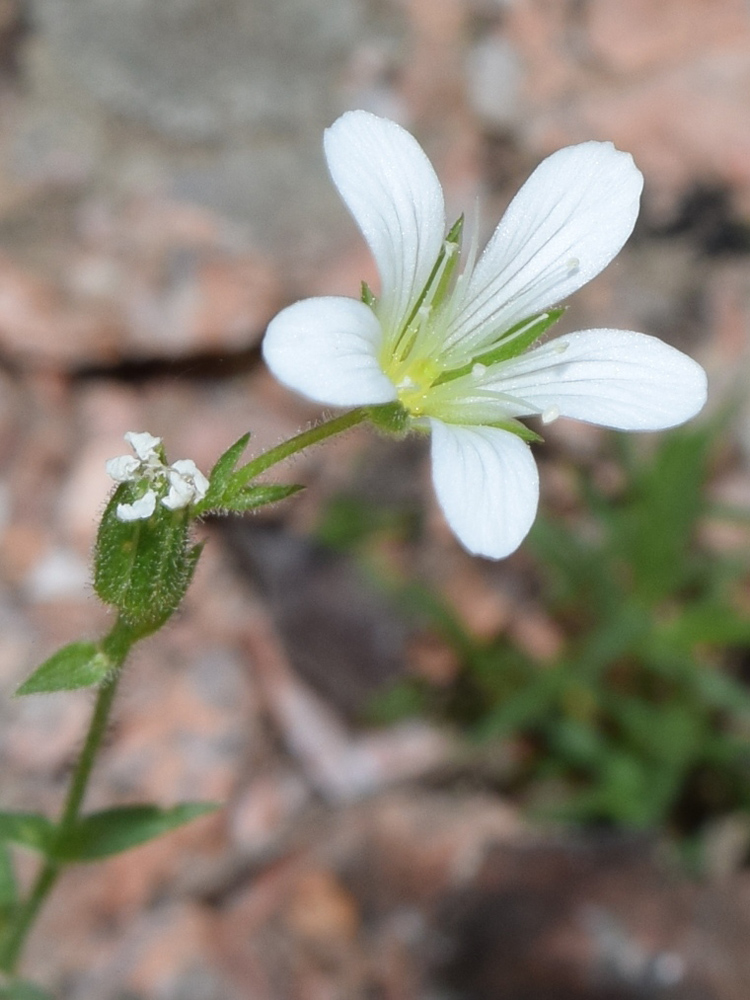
(94, 737)
(26, 917)
(301, 441)
(117, 645)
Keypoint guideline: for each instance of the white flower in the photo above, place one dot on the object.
(123, 469)
(453, 350)
(183, 479)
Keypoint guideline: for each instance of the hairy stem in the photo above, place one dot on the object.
(117, 645)
(301, 441)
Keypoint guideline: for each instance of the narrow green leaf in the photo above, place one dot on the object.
(719, 690)
(712, 622)
(221, 475)
(79, 665)
(258, 496)
(8, 885)
(228, 490)
(665, 506)
(115, 830)
(27, 829)
(24, 991)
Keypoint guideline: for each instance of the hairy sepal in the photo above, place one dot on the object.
(144, 567)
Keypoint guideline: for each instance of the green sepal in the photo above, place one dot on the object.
(517, 428)
(143, 567)
(435, 292)
(367, 296)
(520, 337)
(448, 256)
(78, 665)
(517, 340)
(24, 991)
(456, 230)
(113, 831)
(393, 418)
(27, 829)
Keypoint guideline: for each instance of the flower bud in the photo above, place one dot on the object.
(144, 558)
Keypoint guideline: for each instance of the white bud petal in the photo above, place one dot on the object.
(201, 484)
(123, 469)
(139, 510)
(180, 495)
(187, 468)
(143, 444)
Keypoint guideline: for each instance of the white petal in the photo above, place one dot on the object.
(187, 469)
(123, 469)
(616, 378)
(487, 484)
(143, 444)
(392, 191)
(568, 221)
(181, 493)
(327, 349)
(139, 510)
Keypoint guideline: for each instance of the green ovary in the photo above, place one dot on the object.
(413, 383)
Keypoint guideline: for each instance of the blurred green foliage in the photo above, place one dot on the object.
(643, 719)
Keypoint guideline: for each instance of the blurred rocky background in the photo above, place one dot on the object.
(162, 194)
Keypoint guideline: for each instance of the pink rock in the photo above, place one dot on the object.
(339, 764)
(668, 82)
(264, 811)
(38, 325)
(639, 35)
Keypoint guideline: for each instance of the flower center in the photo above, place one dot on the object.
(414, 384)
